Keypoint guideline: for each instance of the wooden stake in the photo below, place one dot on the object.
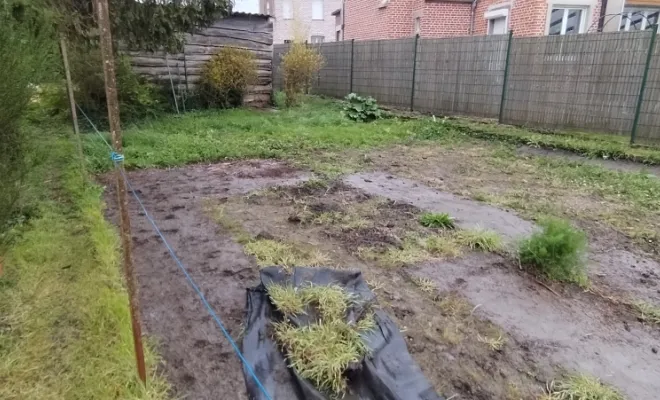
(72, 101)
(107, 57)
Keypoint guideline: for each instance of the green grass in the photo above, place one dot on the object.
(322, 351)
(479, 239)
(303, 133)
(558, 251)
(588, 144)
(65, 330)
(581, 387)
(437, 220)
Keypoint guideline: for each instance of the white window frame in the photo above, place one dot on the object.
(496, 14)
(316, 3)
(633, 10)
(584, 17)
(287, 5)
(311, 39)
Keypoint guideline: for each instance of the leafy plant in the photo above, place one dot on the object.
(557, 251)
(362, 109)
(436, 220)
(299, 67)
(226, 77)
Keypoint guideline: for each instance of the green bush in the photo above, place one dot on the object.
(138, 98)
(226, 77)
(361, 109)
(28, 58)
(299, 67)
(558, 251)
(279, 99)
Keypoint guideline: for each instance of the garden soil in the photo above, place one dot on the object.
(444, 327)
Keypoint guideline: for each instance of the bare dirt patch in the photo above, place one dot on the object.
(197, 360)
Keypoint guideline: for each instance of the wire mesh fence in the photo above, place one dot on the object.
(584, 82)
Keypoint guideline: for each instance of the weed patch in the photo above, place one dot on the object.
(414, 249)
(558, 251)
(437, 220)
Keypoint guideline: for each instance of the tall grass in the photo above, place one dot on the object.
(63, 309)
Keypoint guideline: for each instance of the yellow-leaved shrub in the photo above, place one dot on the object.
(227, 76)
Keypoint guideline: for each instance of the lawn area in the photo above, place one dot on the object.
(64, 318)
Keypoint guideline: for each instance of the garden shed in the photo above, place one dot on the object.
(249, 31)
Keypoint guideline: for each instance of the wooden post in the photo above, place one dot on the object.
(72, 101)
(107, 57)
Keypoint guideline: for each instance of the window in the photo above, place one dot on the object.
(317, 9)
(418, 25)
(636, 19)
(317, 39)
(288, 41)
(498, 21)
(338, 37)
(287, 9)
(567, 21)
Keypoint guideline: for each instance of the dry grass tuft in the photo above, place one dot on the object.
(479, 239)
(648, 312)
(323, 351)
(581, 387)
(272, 252)
(495, 344)
(414, 249)
(424, 284)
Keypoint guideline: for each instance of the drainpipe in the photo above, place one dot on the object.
(472, 12)
(343, 19)
(601, 17)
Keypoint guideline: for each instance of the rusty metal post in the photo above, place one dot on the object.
(107, 57)
(72, 101)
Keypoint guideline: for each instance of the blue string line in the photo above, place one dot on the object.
(95, 130)
(217, 319)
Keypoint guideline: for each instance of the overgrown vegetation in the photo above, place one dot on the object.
(361, 109)
(138, 98)
(437, 220)
(322, 351)
(28, 55)
(64, 317)
(299, 66)
(226, 77)
(558, 251)
(581, 387)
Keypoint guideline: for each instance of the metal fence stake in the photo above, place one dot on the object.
(414, 71)
(350, 87)
(506, 76)
(640, 99)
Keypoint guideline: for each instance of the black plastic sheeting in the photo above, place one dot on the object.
(388, 373)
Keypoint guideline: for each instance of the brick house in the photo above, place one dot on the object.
(309, 20)
(390, 19)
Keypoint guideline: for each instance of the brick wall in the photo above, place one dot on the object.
(364, 20)
(302, 23)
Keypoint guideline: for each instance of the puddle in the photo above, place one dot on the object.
(467, 213)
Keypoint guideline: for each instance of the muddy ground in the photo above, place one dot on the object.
(479, 327)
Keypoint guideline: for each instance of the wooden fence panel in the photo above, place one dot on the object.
(587, 81)
(460, 75)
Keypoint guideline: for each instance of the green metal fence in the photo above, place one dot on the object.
(605, 82)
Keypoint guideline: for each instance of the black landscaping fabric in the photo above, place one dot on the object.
(388, 373)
